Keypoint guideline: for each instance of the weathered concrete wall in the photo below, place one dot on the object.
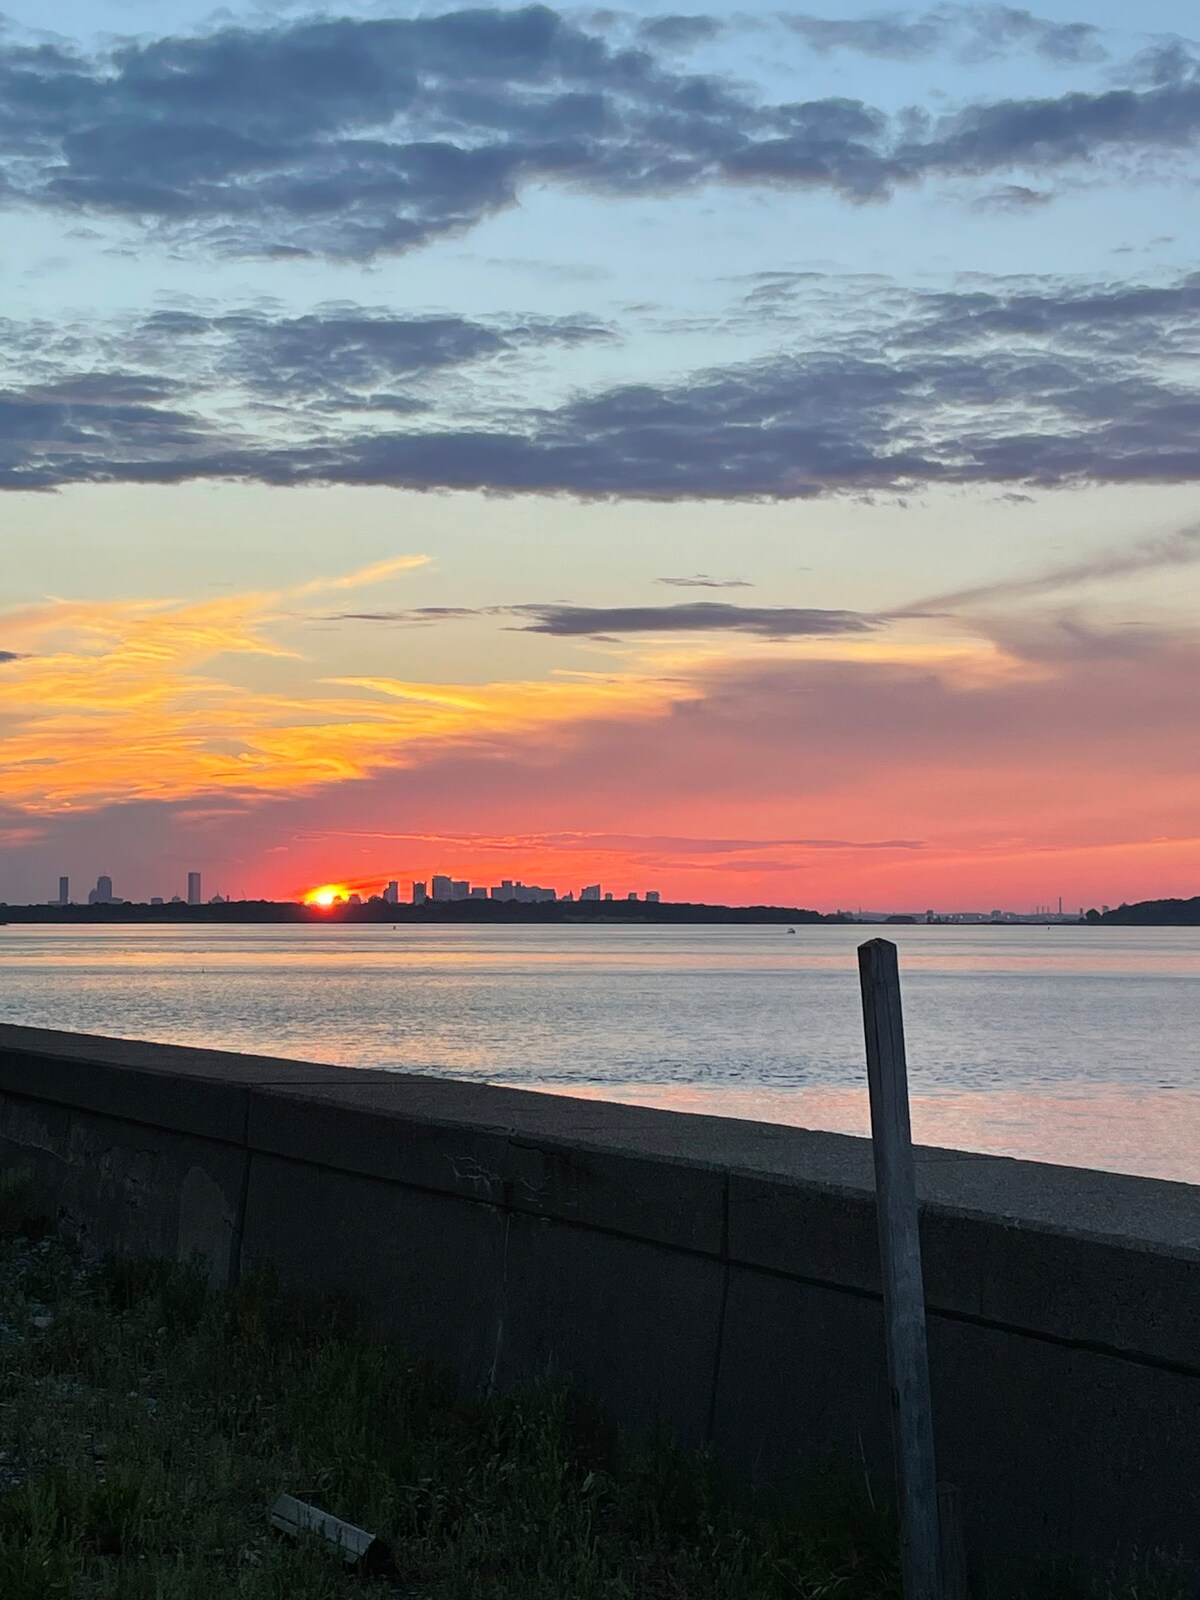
(718, 1277)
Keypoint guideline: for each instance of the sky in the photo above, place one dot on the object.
(747, 454)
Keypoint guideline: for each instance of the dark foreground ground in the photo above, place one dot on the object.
(146, 1426)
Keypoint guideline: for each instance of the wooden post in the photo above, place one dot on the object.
(900, 1258)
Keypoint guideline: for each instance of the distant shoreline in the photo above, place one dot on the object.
(481, 912)
(503, 913)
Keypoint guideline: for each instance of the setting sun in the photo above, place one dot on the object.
(326, 894)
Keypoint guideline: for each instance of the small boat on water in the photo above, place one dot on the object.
(791, 930)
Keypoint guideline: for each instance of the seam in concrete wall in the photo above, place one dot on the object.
(501, 1308)
(1091, 1347)
(239, 1224)
(138, 1123)
(131, 1118)
(716, 1377)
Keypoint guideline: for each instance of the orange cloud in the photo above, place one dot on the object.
(133, 700)
(363, 577)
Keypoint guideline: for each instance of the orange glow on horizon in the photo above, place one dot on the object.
(895, 774)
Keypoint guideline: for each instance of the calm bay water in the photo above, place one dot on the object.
(1068, 1044)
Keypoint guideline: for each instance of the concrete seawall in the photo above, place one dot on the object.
(716, 1276)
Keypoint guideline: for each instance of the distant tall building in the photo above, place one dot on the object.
(460, 889)
(443, 887)
(102, 894)
(652, 897)
(193, 888)
(391, 894)
(591, 892)
(64, 891)
(479, 894)
(420, 894)
(632, 895)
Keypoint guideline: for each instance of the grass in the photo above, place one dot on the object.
(146, 1426)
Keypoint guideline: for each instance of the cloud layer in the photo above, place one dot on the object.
(770, 622)
(353, 137)
(1178, 549)
(701, 616)
(1041, 383)
(970, 33)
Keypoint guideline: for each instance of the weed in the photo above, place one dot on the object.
(14, 1193)
(149, 1424)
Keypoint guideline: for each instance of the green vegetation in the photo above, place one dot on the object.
(146, 1426)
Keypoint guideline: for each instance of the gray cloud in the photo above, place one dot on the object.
(414, 616)
(970, 32)
(1037, 384)
(679, 32)
(354, 137)
(349, 137)
(10, 655)
(702, 580)
(149, 399)
(1070, 637)
(1051, 132)
(339, 353)
(1010, 198)
(51, 435)
(1061, 636)
(1178, 549)
(701, 616)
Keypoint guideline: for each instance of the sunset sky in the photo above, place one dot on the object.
(750, 455)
